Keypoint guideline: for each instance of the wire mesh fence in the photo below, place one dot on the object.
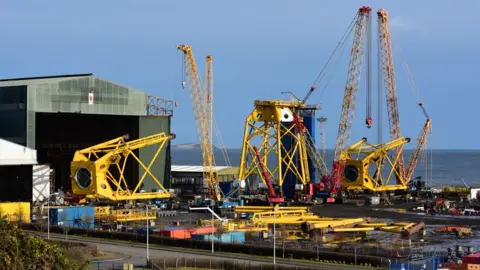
(204, 264)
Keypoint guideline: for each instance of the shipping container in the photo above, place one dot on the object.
(175, 234)
(471, 258)
(15, 211)
(231, 237)
(73, 217)
(182, 233)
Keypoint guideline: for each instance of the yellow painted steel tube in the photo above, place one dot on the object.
(333, 223)
(357, 229)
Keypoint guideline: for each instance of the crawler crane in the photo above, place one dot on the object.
(351, 165)
(201, 97)
(361, 34)
(361, 156)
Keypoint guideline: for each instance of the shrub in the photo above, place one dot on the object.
(18, 250)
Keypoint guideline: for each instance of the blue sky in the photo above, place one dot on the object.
(260, 48)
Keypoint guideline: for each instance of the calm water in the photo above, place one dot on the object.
(447, 165)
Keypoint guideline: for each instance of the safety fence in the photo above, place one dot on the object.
(192, 263)
(258, 250)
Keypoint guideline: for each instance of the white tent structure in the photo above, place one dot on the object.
(15, 154)
(14, 158)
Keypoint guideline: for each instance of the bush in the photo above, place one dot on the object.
(18, 250)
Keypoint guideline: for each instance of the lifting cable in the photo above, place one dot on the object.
(183, 71)
(410, 80)
(420, 103)
(340, 46)
(368, 117)
(220, 142)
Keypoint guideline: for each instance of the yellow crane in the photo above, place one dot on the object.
(386, 58)
(361, 156)
(361, 35)
(93, 174)
(403, 174)
(202, 99)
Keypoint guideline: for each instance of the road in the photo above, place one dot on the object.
(135, 253)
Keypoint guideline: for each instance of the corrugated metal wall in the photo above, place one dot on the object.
(71, 96)
(149, 125)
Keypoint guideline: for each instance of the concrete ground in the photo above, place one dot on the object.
(386, 212)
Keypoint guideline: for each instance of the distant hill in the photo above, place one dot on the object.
(191, 146)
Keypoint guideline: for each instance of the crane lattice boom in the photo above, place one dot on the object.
(421, 140)
(315, 156)
(201, 97)
(386, 57)
(350, 97)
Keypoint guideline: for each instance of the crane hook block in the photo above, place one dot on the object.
(369, 122)
(183, 84)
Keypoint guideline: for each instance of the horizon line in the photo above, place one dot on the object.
(332, 149)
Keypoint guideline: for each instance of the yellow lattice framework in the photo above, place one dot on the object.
(267, 127)
(93, 174)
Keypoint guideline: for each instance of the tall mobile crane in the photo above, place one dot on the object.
(360, 156)
(201, 97)
(346, 157)
(384, 36)
(385, 48)
(361, 34)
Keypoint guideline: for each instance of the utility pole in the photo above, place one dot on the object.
(322, 121)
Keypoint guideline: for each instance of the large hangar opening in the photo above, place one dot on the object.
(16, 183)
(59, 135)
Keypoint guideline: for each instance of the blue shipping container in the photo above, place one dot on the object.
(73, 217)
(231, 237)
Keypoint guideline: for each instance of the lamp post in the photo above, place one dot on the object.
(48, 214)
(148, 225)
(213, 215)
(213, 228)
(274, 244)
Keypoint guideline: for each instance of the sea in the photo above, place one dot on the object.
(440, 167)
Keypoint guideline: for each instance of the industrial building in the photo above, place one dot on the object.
(189, 179)
(57, 115)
